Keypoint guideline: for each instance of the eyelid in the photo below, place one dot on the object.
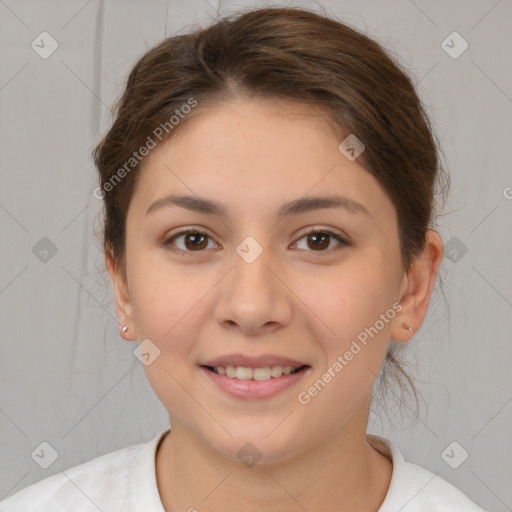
(187, 229)
(341, 238)
(166, 242)
(315, 228)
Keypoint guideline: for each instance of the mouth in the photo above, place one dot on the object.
(251, 378)
(259, 374)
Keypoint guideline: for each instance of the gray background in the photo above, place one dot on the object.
(68, 378)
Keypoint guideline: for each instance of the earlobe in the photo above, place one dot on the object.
(417, 287)
(121, 295)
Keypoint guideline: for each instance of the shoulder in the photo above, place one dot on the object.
(415, 489)
(104, 483)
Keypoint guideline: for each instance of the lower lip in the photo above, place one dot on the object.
(253, 388)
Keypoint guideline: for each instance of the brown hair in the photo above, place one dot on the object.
(288, 54)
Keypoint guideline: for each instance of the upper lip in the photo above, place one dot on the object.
(252, 361)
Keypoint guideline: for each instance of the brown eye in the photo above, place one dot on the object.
(196, 241)
(192, 241)
(319, 241)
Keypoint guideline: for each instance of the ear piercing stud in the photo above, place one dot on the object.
(124, 328)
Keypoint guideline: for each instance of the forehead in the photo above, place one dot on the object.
(262, 151)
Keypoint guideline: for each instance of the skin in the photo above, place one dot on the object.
(294, 300)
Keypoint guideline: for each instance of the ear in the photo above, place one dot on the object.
(416, 288)
(121, 296)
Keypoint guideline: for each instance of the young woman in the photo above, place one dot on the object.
(269, 184)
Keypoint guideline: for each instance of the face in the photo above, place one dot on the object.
(257, 284)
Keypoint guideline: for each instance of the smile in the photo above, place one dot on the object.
(259, 374)
(254, 382)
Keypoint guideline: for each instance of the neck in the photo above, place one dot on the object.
(343, 473)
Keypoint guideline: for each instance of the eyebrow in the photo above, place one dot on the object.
(297, 206)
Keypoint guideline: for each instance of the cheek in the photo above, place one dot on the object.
(357, 308)
(170, 307)
(354, 297)
(166, 311)
(354, 309)
(164, 295)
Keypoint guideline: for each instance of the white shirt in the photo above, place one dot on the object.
(125, 480)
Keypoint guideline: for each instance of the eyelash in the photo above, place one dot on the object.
(168, 242)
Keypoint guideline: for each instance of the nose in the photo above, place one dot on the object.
(253, 297)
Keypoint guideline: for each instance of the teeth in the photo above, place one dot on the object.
(276, 371)
(243, 373)
(247, 373)
(262, 373)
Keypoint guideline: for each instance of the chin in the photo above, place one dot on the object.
(251, 446)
